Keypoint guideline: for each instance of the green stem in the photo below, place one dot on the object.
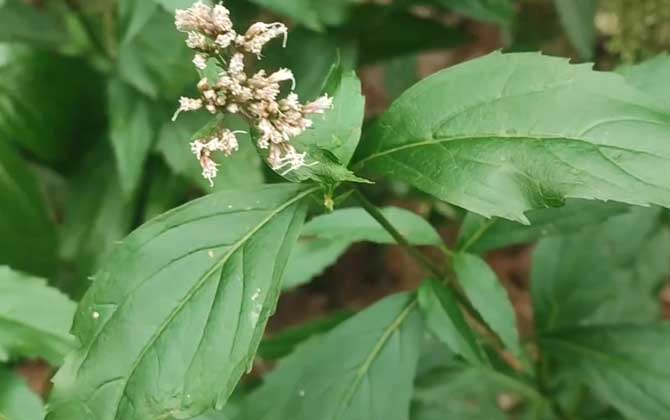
(477, 235)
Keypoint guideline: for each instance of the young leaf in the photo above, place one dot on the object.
(372, 379)
(444, 319)
(131, 132)
(577, 17)
(489, 298)
(479, 234)
(242, 169)
(625, 365)
(17, 401)
(498, 11)
(28, 235)
(186, 288)
(34, 318)
(605, 274)
(507, 133)
(326, 237)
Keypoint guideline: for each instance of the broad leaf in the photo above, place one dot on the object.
(498, 11)
(326, 237)
(131, 132)
(372, 379)
(607, 273)
(489, 298)
(34, 318)
(479, 234)
(444, 318)
(577, 17)
(651, 76)
(28, 235)
(242, 169)
(625, 365)
(508, 133)
(17, 401)
(28, 23)
(186, 288)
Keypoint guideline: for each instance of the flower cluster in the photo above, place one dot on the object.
(254, 97)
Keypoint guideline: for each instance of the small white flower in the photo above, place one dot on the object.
(187, 104)
(200, 61)
(209, 168)
(221, 18)
(224, 40)
(319, 106)
(236, 65)
(283, 75)
(196, 40)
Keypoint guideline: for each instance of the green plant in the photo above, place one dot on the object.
(514, 148)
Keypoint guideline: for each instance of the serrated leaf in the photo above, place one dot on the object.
(606, 274)
(131, 132)
(326, 237)
(489, 298)
(625, 365)
(498, 11)
(508, 133)
(28, 235)
(242, 169)
(372, 379)
(34, 318)
(479, 234)
(578, 19)
(443, 317)
(186, 288)
(651, 77)
(17, 401)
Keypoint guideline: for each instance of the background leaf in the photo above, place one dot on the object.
(18, 22)
(507, 133)
(29, 237)
(371, 380)
(625, 365)
(212, 267)
(17, 401)
(578, 19)
(34, 319)
(498, 11)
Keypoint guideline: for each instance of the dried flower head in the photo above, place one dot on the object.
(253, 96)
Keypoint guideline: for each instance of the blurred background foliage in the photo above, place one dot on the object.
(88, 87)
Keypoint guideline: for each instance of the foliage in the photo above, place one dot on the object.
(150, 290)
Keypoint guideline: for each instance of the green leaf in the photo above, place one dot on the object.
(28, 235)
(25, 23)
(444, 319)
(479, 234)
(242, 169)
(400, 74)
(17, 401)
(651, 77)
(489, 298)
(39, 110)
(314, 14)
(146, 30)
(372, 379)
(131, 132)
(186, 288)
(326, 237)
(625, 365)
(498, 11)
(34, 318)
(605, 274)
(508, 133)
(577, 17)
(332, 140)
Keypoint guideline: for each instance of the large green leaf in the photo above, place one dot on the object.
(17, 401)
(34, 318)
(625, 365)
(479, 234)
(181, 303)
(131, 132)
(371, 379)
(651, 76)
(489, 298)
(242, 169)
(607, 273)
(444, 318)
(577, 17)
(498, 11)
(326, 237)
(28, 235)
(507, 133)
(49, 104)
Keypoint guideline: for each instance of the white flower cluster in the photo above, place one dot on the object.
(254, 97)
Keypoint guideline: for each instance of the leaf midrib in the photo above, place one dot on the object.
(200, 283)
